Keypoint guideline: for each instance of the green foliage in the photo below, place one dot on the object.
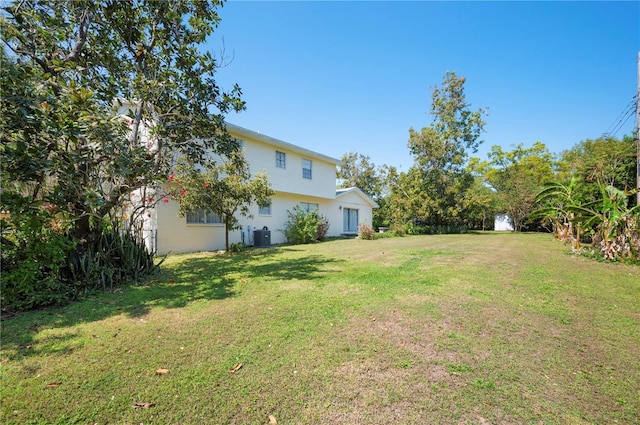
(357, 170)
(433, 190)
(418, 229)
(366, 232)
(615, 226)
(41, 265)
(69, 62)
(605, 161)
(114, 258)
(517, 176)
(98, 99)
(237, 247)
(34, 250)
(225, 188)
(480, 205)
(304, 227)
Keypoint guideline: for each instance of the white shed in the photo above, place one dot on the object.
(503, 223)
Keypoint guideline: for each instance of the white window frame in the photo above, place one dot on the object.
(202, 217)
(281, 160)
(309, 206)
(264, 210)
(307, 172)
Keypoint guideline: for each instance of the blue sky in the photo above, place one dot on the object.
(354, 76)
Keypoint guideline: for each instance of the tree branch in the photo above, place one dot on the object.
(83, 31)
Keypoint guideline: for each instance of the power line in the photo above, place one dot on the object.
(622, 118)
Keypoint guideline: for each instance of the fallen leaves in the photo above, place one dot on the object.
(53, 384)
(162, 371)
(235, 367)
(143, 405)
(272, 420)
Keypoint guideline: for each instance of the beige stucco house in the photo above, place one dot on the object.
(297, 175)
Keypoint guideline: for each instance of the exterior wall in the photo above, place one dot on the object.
(175, 235)
(353, 201)
(281, 203)
(261, 157)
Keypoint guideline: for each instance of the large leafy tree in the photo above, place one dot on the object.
(376, 181)
(357, 170)
(100, 97)
(595, 163)
(438, 180)
(517, 176)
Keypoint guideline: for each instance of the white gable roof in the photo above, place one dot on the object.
(358, 192)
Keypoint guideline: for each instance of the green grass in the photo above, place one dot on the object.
(481, 328)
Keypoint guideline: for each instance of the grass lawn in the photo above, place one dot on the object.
(461, 329)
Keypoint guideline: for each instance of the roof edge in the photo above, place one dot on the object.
(277, 142)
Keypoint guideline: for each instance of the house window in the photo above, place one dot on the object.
(306, 169)
(308, 206)
(203, 217)
(349, 220)
(281, 159)
(266, 210)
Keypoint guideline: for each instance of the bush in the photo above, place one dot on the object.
(366, 232)
(237, 247)
(34, 251)
(443, 229)
(399, 230)
(305, 226)
(114, 258)
(42, 265)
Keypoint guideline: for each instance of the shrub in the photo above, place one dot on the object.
(366, 232)
(114, 258)
(237, 247)
(42, 265)
(399, 229)
(323, 228)
(34, 251)
(305, 226)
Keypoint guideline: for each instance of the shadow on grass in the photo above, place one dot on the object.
(198, 277)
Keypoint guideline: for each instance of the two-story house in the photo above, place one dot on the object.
(297, 175)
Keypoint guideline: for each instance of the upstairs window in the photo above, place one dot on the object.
(203, 217)
(281, 159)
(306, 169)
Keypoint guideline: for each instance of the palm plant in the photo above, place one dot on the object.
(558, 207)
(615, 225)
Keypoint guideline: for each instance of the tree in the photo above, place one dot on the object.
(225, 187)
(605, 161)
(357, 170)
(517, 177)
(69, 61)
(614, 224)
(480, 204)
(438, 180)
(557, 204)
(70, 145)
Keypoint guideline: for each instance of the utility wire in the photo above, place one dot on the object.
(622, 118)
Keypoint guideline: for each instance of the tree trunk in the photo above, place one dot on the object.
(226, 234)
